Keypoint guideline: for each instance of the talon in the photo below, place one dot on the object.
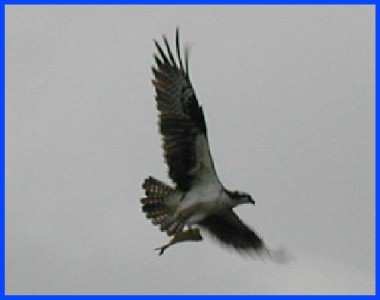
(176, 228)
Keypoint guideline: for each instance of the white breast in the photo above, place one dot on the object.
(202, 200)
(203, 193)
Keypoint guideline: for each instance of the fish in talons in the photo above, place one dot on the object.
(189, 235)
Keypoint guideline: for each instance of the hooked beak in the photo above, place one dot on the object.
(251, 201)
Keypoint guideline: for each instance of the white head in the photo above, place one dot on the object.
(240, 197)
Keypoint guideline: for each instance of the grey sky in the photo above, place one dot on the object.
(289, 102)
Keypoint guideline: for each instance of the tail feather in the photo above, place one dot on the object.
(153, 205)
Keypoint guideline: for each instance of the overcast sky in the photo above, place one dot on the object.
(289, 103)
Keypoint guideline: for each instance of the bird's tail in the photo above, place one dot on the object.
(153, 205)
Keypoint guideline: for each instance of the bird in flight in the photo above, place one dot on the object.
(199, 198)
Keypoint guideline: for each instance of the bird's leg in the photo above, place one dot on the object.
(176, 227)
(167, 223)
(176, 223)
(180, 227)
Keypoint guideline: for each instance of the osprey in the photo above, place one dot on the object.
(199, 198)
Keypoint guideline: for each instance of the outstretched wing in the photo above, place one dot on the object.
(231, 231)
(181, 120)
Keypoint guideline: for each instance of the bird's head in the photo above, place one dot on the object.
(240, 197)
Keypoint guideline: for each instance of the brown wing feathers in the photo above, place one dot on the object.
(181, 117)
(231, 231)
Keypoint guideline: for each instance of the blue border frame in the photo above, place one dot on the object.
(190, 2)
(168, 2)
(2, 167)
